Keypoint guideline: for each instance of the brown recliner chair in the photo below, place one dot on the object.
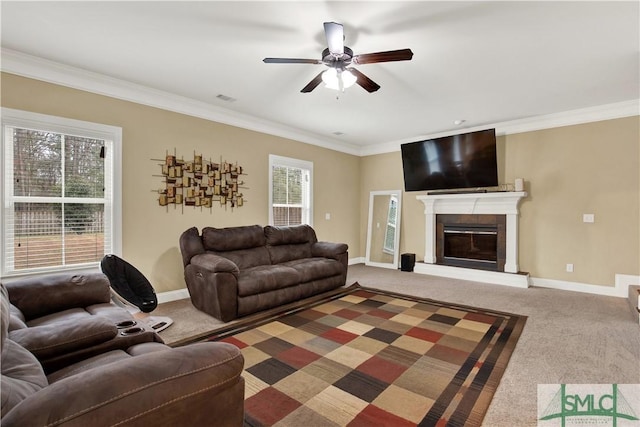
(146, 384)
(64, 318)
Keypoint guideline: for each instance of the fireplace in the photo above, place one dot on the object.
(471, 241)
(478, 224)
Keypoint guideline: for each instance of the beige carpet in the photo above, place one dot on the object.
(569, 337)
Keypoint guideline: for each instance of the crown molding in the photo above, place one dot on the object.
(21, 64)
(566, 118)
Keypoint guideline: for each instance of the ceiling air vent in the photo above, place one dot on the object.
(225, 98)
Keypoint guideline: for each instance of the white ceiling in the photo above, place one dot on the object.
(483, 62)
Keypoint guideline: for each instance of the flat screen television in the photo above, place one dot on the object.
(457, 162)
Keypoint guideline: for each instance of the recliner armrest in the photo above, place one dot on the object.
(328, 249)
(214, 263)
(39, 296)
(47, 341)
(199, 384)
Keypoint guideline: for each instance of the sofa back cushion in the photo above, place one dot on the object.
(39, 296)
(232, 238)
(289, 243)
(244, 245)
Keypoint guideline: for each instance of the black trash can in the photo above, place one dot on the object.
(407, 262)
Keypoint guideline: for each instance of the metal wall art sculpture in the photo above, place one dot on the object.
(200, 182)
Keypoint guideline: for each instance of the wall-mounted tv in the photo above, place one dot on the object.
(465, 161)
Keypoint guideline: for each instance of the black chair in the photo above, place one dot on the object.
(130, 286)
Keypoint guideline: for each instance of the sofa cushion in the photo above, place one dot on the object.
(102, 359)
(70, 315)
(289, 235)
(263, 279)
(232, 238)
(311, 269)
(110, 311)
(284, 253)
(289, 243)
(247, 258)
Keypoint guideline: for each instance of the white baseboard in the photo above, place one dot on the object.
(495, 277)
(172, 295)
(353, 261)
(620, 290)
(382, 265)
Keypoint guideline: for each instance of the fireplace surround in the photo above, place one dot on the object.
(481, 242)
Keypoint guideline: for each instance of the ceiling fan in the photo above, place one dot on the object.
(338, 58)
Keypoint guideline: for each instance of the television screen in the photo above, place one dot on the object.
(453, 162)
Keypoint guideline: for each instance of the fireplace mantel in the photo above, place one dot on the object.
(496, 203)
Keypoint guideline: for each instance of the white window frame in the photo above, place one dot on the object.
(113, 170)
(307, 208)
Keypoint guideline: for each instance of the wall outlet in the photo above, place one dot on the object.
(588, 218)
(569, 268)
(327, 216)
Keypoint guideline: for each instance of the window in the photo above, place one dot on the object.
(390, 232)
(290, 191)
(60, 193)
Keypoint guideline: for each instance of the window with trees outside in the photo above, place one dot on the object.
(290, 197)
(61, 204)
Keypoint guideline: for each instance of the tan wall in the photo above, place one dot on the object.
(568, 171)
(590, 168)
(150, 233)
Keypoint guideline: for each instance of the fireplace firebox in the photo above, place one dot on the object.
(471, 241)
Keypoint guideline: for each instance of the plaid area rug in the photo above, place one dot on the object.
(364, 357)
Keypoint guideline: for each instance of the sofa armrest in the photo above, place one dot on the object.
(213, 263)
(38, 296)
(212, 282)
(199, 384)
(190, 245)
(47, 341)
(328, 249)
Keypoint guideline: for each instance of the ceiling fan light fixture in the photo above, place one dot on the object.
(330, 78)
(338, 79)
(348, 79)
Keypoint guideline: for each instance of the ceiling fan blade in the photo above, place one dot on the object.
(312, 84)
(364, 81)
(291, 61)
(389, 56)
(335, 37)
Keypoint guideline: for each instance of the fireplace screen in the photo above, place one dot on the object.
(471, 245)
(474, 245)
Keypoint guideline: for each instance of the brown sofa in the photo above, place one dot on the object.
(141, 385)
(232, 272)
